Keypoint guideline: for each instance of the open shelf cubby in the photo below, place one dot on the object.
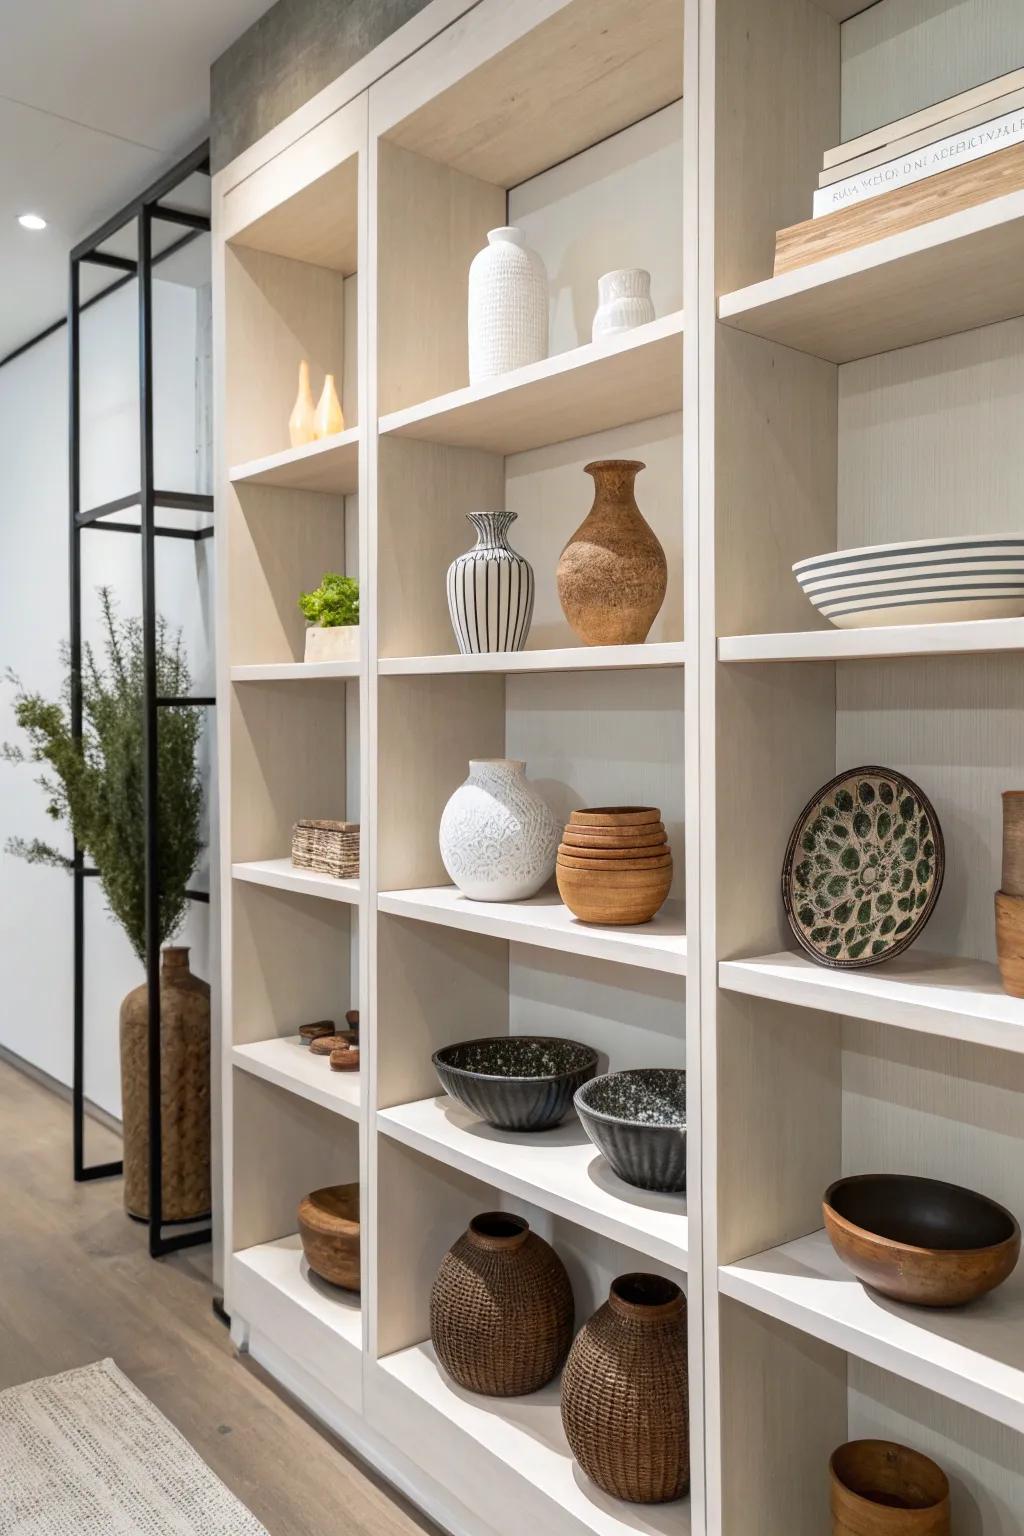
(865, 398)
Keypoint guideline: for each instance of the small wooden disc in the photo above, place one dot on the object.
(325, 1044)
(654, 851)
(346, 1059)
(352, 1018)
(314, 1031)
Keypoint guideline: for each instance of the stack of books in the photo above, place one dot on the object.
(946, 157)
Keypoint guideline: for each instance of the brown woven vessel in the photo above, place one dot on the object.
(625, 1406)
(329, 847)
(501, 1310)
(184, 1092)
(329, 1229)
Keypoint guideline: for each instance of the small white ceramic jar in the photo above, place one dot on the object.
(623, 302)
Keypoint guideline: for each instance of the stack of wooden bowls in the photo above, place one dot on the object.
(614, 864)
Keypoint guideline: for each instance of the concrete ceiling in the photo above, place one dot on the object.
(97, 98)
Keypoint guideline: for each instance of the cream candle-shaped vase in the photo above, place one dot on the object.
(301, 428)
(329, 417)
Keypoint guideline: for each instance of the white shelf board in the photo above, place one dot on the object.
(963, 639)
(330, 465)
(605, 384)
(973, 1355)
(290, 1064)
(934, 994)
(282, 875)
(560, 1170)
(318, 1326)
(525, 1436)
(547, 923)
(571, 658)
(292, 671)
(948, 275)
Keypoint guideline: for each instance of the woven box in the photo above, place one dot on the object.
(329, 847)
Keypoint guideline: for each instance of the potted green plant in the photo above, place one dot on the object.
(333, 614)
(94, 787)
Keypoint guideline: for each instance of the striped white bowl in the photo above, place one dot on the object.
(924, 581)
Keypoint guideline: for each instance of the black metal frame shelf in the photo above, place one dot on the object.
(146, 208)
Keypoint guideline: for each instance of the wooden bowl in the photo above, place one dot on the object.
(617, 897)
(329, 1229)
(612, 855)
(658, 858)
(615, 816)
(919, 1240)
(878, 1488)
(616, 837)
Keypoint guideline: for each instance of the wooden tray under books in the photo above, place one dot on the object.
(904, 208)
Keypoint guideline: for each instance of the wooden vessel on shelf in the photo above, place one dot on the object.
(964, 186)
(878, 1488)
(329, 1228)
(614, 864)
(919, 1240)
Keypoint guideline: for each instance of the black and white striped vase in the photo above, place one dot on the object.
(490, 589)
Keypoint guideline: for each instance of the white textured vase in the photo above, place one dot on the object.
(508, 306)
(490, 589)
(623, 302)
(498, 837)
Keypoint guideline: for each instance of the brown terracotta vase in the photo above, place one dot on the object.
(184, 1092)
(501, 1309)
(625, 1405)
(878, 1488)
(612, 573)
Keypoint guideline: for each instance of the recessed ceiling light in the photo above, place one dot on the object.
(31, 221)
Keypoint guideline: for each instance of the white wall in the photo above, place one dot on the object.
(36, 903)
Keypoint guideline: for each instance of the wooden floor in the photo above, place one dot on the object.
(76, 1285)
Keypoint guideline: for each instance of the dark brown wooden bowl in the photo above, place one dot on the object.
(919, 1240)
(879, 1488)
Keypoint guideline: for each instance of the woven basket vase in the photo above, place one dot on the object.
(501, 1310)
(625, 1407)
(184, 1092)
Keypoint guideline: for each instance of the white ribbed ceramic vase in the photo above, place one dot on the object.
(508, 306)
(490, 589)
(498, 837)
(623, 302)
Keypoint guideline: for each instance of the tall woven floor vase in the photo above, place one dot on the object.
(625, 1405)
(490, 589)
(501, 1309)
(184, 1092)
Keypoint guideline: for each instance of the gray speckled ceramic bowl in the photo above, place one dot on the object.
(516, 1082)
(637, 1119)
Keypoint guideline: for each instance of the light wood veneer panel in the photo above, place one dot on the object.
(287, 761)
(428, 729)
(424, 492)
(431, 221)
(290, 962)
(435, 986)
(277, 313)
(280, 544)
(318, 224)
(284, 1146)
(589, 69)
(783, 1414)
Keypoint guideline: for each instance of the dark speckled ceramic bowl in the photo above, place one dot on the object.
(516, 1082)
(638, 1120)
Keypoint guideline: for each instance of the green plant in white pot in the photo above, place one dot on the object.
(333, 614)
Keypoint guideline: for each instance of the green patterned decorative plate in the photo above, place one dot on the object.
(863, 868)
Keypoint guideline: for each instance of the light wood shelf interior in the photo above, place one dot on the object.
(872, 397)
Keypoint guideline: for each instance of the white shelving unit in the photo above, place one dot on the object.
(334, 241)
(868, 397)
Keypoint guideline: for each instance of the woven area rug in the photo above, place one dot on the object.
(86, 1454)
